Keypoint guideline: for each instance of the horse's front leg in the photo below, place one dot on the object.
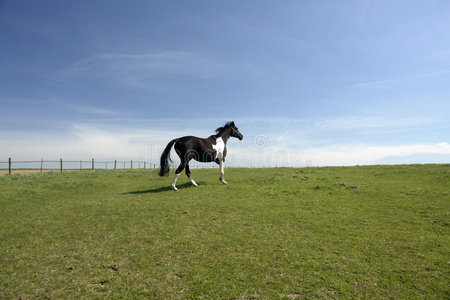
(222, 173)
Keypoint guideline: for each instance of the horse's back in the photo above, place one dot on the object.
(190, 140)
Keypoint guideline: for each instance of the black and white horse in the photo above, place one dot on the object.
(213, 148)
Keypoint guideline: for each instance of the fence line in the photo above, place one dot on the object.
(62, 165)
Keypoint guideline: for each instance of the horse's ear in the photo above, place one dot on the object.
(232, 124)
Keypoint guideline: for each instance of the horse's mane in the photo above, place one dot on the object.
(220, 130)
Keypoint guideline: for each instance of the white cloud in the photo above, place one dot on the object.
(367, 155)
(338, 155)
(83, 142)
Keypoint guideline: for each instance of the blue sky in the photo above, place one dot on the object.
(307, 82)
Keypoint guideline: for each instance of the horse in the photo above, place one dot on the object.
(213, 148)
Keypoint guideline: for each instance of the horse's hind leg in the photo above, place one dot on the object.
(188, 173)
(177, 173)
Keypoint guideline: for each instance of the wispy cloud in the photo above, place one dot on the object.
(282, 136)
(86, 109)
(141, 69)
(369, 122)
(45, 103)
(377, 83)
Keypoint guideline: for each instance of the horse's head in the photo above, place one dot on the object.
(235, 131)
(231, 129)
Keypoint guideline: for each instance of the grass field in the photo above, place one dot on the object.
(359, 232)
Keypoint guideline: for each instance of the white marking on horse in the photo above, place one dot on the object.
(219, 147)
(222, 173)
(174, 182)
(193, 181)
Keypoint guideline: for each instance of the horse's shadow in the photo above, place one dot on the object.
(161, 189)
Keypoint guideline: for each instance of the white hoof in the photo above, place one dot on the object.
(174, 187)
(193, 182)
(223, 181)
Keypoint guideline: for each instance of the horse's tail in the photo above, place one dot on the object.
(165, 159)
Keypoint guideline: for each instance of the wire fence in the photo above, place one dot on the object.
(61, 165)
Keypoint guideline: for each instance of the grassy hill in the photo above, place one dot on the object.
(366, 232)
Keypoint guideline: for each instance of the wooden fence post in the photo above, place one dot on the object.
(42, 163)
(10, 166)
(92, 164)
(115, 164)
(131, 164)
(61, 164)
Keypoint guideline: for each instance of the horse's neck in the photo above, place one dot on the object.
(225, 136)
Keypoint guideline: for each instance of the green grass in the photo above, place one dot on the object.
(350, 232)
